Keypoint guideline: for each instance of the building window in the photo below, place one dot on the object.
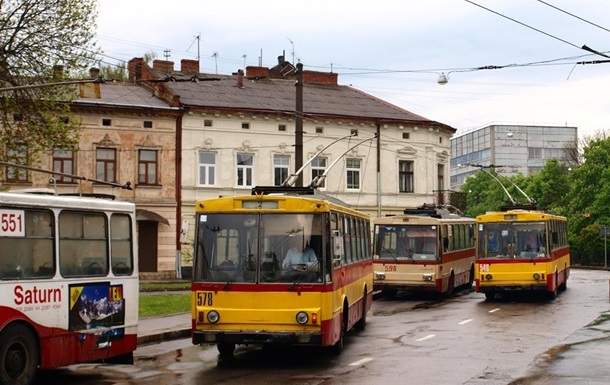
(208, 123)
(207, 168)
(405, 176)
(354, 132)
(352, 166)
(441, 177)
(147, 167)
(107, 122)
(148, 124)
(281, 127)
(63, 161)
(245, 125)
(105, 164)
(406, 135)
(534, 152)
(17, 155)
(319, 130)
(318, 166)
(245, 169)
(280, 168)
(440, 139)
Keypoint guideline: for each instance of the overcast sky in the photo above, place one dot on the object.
(395, 35)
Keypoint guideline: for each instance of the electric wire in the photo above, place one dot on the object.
(573, 15)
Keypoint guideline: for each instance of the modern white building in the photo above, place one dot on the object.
(514, 149)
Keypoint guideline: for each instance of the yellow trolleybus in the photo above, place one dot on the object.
(279, 269)
(425, 249)
(522, 249)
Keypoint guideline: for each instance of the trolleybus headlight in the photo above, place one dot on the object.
(302, 318)
(213, 316)
(537, 276)
(427, 277)
(488, 277)
(379, 276)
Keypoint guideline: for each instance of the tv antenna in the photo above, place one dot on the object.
(292, 51)
(215, 56)
(167, 54)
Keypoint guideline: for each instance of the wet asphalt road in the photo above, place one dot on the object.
(408, 340)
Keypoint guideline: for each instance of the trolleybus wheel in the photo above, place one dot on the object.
(451, 284)
(361, 324)
(226, 350)
(337, 348)
(490, 295)
(388, 293)
(18, 356)
(471, 277)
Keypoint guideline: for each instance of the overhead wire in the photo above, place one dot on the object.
(573, 15)
(584, 47)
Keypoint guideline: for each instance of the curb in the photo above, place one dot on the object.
(164, 336)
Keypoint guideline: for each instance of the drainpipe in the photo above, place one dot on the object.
(378, 169)
(178, 160)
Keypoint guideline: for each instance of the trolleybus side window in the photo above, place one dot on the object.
(83, 244)
(338, 251)
(120, 230)
(347, 240)
(27, 244)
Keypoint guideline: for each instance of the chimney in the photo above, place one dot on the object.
(240, 79)
(282, 58)
(138, 70)
(189, 66)
(253, 72)
(163, 66)
(58, 72)
(317, 77)
(94, 73)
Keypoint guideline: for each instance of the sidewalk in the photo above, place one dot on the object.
(583, 359)
(159, 329)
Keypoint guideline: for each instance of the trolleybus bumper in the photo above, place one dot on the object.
(511, 288)
(423, 286)
(257, 338)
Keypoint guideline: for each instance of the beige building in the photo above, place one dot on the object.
(238, 132)
(126, 135)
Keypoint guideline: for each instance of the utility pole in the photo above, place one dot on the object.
(378, 169)
(215, 56)
(198, 37)
(244, 56)
(605, 229)
(298, 125)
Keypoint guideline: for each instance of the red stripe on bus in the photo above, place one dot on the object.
(555, 254)
(457, 255)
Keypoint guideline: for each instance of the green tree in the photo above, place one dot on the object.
(36, 35)
(550, 186)
(483, 194)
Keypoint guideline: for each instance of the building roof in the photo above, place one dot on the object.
(124, 95)
(278, 95)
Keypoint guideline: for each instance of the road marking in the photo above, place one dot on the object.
(426, 337)
(361, 362)
(494, 310)
(464, 322)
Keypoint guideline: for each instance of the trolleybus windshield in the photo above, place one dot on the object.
(509, 240)
(407, 242)
(289, 250)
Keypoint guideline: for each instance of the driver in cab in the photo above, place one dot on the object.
(300, 260)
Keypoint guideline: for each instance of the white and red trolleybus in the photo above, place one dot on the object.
(428, 248)
(68, 283)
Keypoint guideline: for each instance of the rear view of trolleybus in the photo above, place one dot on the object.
(425, 249)
(279, 269)
(521, 250)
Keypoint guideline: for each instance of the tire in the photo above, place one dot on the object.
(553, 294)
(125, 359)
(361, 324)
(18, 356)
(490, 295)
(337, 348)
(450, 285)
(388, 293)
(226, 350)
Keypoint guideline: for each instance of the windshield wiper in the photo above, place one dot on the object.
(228, 283)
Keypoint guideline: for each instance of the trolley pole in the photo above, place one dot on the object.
(378, 169)
(298, 125)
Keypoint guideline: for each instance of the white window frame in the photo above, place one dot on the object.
(274, 166)
(322, 169)
(237, 167)
(207, 167)
(348, 169)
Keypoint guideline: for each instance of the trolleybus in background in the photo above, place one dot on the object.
(279, 269)
(522, 249)
(425, 249)
(68, 283)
